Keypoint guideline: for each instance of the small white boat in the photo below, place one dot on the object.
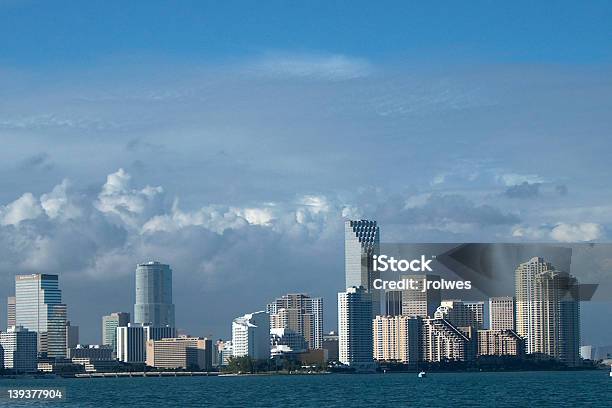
(610, 370)
(422, 374)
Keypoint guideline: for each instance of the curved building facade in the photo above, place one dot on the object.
(154, 295)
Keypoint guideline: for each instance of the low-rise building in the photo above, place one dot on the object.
(180, 352)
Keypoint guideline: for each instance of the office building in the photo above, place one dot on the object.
(525, 298)
(132, 340)
(443, 341)
(19, 346)
(91, 352)
(497, 342)
(330, 343)
(225, 350)
(397, 338)
(72, 335)
(355, 328)
(109, 327)
(251, 336)
(94, 365)
(416, 302)
(180, 352)
(300, 313)
(10, 311)
(502, 313)
(154, 295)
(39, 308)
(556, 323)
(361, 243)
(393, 303)
(461, 313)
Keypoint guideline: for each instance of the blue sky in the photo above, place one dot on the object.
(215, 136)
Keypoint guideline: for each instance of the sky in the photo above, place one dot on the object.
(231, 140)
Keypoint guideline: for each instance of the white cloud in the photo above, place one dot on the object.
(130, 205)
(513, 179)
(26, 207)
(321, 67)
(586, 231)
(58, 204)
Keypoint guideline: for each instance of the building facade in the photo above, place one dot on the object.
(502, 313)
(109, 327)
(416, 302)
(19, 346)
(10, 311)
(91, 352)
(251, 336)
(180, 352)
(361, 243)
(461, 313)
(498, 342)
(355, 328)
(154, 295)
(39, 308)
(397, 338)
(300, 313)
(443, 341)
(132, 340)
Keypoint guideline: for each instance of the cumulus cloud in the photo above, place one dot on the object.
(585, 231)
(26, 207)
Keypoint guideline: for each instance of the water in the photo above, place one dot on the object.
(520, 389)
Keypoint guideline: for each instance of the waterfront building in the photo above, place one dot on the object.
(443, 341)
(361, 243)
(132, 340)
(397, 338)
(92, 352)
(109, 327)
(180, 352)
(497, 342)
(251, 336)
(300, 313)
(330, 343)
(19, 347)
(154, 295)
(39, 308)
(502, 313)
(355, 328)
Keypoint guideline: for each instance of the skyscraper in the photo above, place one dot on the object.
(19, 349)
(525, 304)
(109, 327)
(361, 243)
(251, 336)
(556, 317)
(10, 311)
(416, 302)
(39, 308)
(300, 313)
(154, 295)
(501, 313)
(355, 328)
(72, 335)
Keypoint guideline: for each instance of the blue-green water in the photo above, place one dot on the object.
(520, 389)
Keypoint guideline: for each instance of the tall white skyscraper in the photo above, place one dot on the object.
(18, 345)
(109, 327)
(502, 313)
(39, 308)
(361, 242)
(251, 336)
(355, 328)
(525, 304)
(154, 295)
(300, 313)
